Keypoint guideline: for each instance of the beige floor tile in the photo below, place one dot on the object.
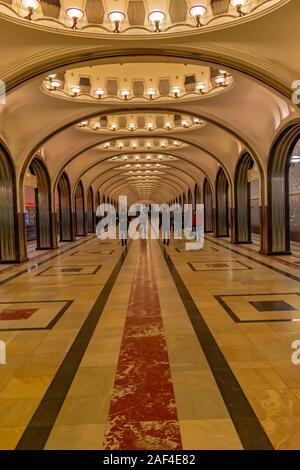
(84, 410)
(26, 387)
(90, 381)
(9, 437)
(76, 437)
(289, 375)
(259, 379)
(284, 432)
(273, 403)
(192, 379)
(16, 412)
(200, 405)
(211, 434)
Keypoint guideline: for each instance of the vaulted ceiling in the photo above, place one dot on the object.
(107, 139)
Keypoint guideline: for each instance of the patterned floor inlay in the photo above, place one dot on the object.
(93, 252)
(256, 308)
(143, 411)
(39, 315)
(218, 266)
(86, 270)
(206, 249)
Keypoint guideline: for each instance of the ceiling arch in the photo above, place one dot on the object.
(245, 117)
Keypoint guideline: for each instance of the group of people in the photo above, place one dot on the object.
(163, 221)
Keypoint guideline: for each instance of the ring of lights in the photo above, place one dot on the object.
(66, 84)
(74, 18)
(141, 144)
(167, 123)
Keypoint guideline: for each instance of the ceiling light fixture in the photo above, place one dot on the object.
(157, 17)
(75, 14)
(125, 93)
(54, 83)
(151, 92)
(238, 4)
(197, 11)
(200, 87)
(99, 92)
(150, 126)
(220, 80)
(176, 90)
(31, 5)
(116, 17)
(75, 89)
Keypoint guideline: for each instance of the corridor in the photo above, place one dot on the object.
(150, 348)
(175, 119)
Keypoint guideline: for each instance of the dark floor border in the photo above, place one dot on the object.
(37, 265)
(262, 263)
(191, 265)
(39, 428)
(96, 266)
(51, 324)
(183, 250)
(92, 253)
(248, 426)
(236, 319)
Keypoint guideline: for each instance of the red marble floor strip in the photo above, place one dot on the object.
(143, 412)
(20, 314)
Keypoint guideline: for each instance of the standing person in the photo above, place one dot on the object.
(194, 221)
(144, 223)
(123, 226)
(165, 213)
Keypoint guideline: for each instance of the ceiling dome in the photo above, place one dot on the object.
(138, 82)
(132, 17)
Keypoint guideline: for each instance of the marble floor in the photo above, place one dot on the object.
(150, 347)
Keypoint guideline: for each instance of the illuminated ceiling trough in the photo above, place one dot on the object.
(132, 17)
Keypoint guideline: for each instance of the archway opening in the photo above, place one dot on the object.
(208, 207)
(247, 201)
(282, 192)
(79, 211)
(64, 209)
(294, 199)
(37, 201)
(90, 211)
(223, 205)
(197, 195)
(8, 232)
